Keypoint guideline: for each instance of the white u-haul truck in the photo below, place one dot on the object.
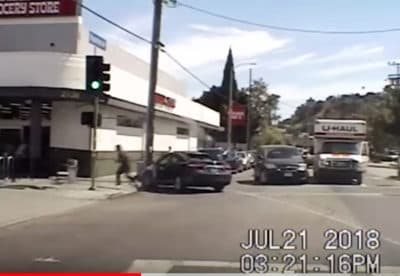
(341, 150)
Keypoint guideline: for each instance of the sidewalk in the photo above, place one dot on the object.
(29, 199)
(383, 165)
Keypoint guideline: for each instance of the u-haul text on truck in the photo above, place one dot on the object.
(341, 150)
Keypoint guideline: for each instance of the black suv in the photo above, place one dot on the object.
(280, 164)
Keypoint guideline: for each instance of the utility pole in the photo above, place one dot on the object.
(153, 81)
(229, 138)
(395, 78)
(248, 130)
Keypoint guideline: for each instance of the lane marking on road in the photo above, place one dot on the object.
(328, 194)
(47, 260)
(312, 211)
(165, 266)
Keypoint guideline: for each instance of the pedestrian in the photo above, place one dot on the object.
(124, 167)
(169, 149)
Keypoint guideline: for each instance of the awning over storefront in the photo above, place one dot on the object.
(20, 94)
(159, 113)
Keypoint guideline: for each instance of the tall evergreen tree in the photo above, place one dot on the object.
(229, 67)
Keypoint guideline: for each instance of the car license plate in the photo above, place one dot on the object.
(288, 174)
(214, 171)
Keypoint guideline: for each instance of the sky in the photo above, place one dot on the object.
(296, 66)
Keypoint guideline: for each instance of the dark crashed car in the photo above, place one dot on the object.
(280, 164)
(187, 169)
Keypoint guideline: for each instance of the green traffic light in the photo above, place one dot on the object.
(95, 85)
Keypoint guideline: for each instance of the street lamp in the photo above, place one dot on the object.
(229, 138)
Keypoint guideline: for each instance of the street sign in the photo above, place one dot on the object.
(170, 3)
(238, 115)
(97, 41)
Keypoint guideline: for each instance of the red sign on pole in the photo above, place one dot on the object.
(238, 116)
(35, 8)
(164, 101)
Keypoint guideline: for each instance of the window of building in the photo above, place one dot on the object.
(134, 122)
(182, 131)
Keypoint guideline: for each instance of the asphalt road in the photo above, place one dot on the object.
(125, 234)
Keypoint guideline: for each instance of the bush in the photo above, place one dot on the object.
(270, 136)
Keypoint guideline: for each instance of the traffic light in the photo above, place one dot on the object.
(97, 75)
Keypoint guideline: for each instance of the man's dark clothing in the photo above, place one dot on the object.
(124, 166)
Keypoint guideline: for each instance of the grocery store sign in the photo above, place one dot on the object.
(35, 8)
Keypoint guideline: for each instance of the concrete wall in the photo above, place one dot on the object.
(70, 139)
(66, 130)
(68, 133)
(67, 71)
(39, 34)
(26, 48)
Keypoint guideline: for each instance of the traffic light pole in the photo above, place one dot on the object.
(93, 156)
(153, 82)
(94, 144)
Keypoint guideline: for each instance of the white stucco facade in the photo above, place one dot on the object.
(65, 70)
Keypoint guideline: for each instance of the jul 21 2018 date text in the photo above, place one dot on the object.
(297, 240)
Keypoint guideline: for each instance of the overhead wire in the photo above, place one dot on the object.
(112, 22)
(281, 28)
(161, 45)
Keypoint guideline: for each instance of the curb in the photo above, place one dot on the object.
(121, 195)
(26, 186)
(381, 166)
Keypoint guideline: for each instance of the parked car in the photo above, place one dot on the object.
(215, 153)
(252, 158)
(184, 169)
(245, 158)
(280, 164)
(232, 158)
(391, 156)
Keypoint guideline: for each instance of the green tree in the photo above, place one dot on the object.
(378, 109)
(225, 86)
(270, 136)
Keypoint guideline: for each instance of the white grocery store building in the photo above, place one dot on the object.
(42, 77)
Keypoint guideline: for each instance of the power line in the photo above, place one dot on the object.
(112, 22)
(280, 28)
(162, 46)
(184, 68)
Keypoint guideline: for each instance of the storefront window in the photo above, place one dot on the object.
(182, 131)
(125, 121)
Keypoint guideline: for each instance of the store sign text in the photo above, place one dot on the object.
(27, 8)
(238, 115)
(165, 101)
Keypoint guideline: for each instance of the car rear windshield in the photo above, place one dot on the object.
(213, 153)
(282, 153)
(199, 156)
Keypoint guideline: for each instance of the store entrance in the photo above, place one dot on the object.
(10, 139)
(41, 168)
